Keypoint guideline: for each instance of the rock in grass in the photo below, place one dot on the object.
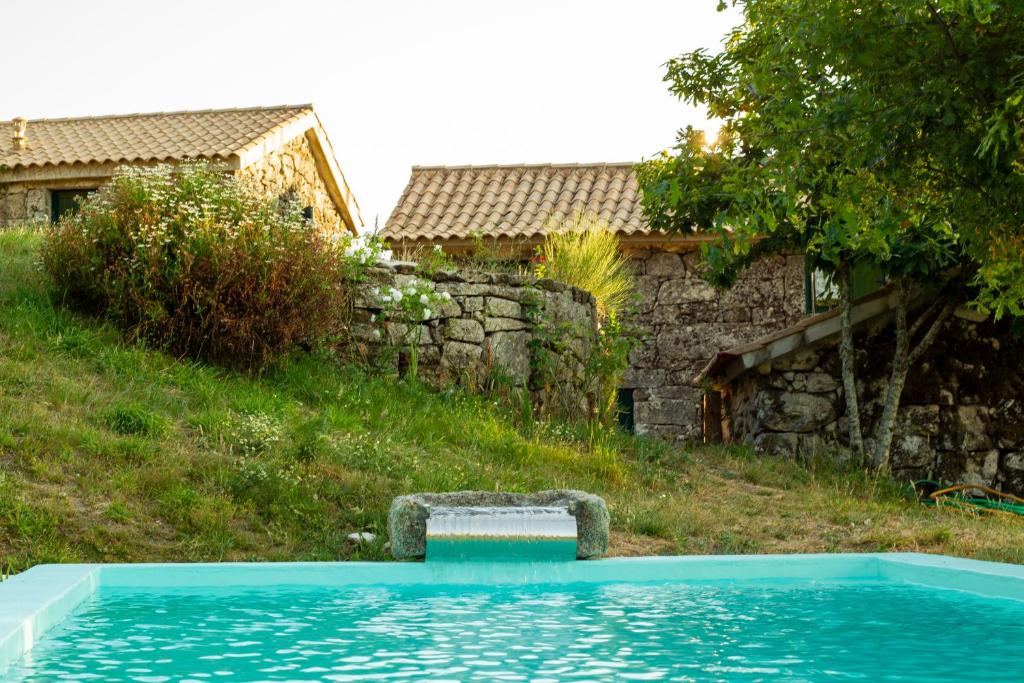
(361, 537)
(407, 519)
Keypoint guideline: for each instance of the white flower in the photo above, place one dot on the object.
(426, 314)
(424, 300)
(396, 294)
(376, 334)
(446, 296)
(373, 317)
(437, 248)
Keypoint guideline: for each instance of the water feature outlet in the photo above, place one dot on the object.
(487, 533)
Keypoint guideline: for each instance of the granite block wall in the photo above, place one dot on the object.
(527, 333)
(961, 417)
(292, 169)
(686, 322)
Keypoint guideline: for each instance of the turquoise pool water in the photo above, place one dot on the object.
(793, 630)
(501, 550)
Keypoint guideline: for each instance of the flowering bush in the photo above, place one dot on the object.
(361, 251)
(187, 258)
(413, 302)
(409, 305)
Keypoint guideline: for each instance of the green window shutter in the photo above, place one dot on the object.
(867, 279)
(821, 294)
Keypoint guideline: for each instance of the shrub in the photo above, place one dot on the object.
(415, 302)
(189, 259)
(584, 252)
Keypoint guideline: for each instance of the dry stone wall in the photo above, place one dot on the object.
(518, 331)
(686, 322)
(961, 418)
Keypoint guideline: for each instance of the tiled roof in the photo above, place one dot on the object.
(521, 201)
(165, 136)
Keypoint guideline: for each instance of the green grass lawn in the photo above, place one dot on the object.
(112, 452)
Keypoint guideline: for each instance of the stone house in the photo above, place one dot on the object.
(48, 164)
(685, 320)
(961, 415)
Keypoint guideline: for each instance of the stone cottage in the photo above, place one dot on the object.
(47, 165)
(686, 321)
(961, 415)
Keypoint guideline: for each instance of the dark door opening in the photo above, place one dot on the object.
(624, 402)
(63, 202)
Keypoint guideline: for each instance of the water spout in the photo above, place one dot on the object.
(528, 533)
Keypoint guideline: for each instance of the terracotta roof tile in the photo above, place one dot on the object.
(164, 136)
(518, 201)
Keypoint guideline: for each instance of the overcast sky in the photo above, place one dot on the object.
(396, 83)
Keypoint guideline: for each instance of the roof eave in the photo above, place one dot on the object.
(729, 364)
(92, 170)
(628, 241)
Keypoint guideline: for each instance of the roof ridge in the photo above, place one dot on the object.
(135, 115)
(481, 167)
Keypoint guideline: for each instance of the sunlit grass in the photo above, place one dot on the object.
(112, 452)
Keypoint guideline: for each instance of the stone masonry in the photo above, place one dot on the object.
(23, 202)
(961, 417)
(686, 322)
(514, 330)
(407, 518)
(292, 170)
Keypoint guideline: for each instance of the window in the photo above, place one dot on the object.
(821, 291)
(63, 202)
(624, 402)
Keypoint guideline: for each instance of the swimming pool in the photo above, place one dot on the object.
(788, 617)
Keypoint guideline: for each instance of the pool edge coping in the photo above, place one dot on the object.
(56, 590)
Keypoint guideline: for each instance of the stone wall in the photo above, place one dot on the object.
(513, 330)
(687, 321)
(23, 203)
(961, 418)
(293, 169)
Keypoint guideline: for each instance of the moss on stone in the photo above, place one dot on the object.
(407, 518)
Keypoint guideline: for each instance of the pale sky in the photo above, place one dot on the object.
(395, 82)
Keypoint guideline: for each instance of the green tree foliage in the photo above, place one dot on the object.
(888, 133)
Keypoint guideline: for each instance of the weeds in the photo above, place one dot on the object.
(283, 465)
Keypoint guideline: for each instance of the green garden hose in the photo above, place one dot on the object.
(998, 503)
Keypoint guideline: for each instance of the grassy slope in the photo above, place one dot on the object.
(113, 452)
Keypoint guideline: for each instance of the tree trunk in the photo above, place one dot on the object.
(902, 360)
(897, 377)
(846, 355)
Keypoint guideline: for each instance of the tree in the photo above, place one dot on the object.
(886, 133)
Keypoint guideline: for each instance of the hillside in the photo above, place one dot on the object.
(112, 452)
